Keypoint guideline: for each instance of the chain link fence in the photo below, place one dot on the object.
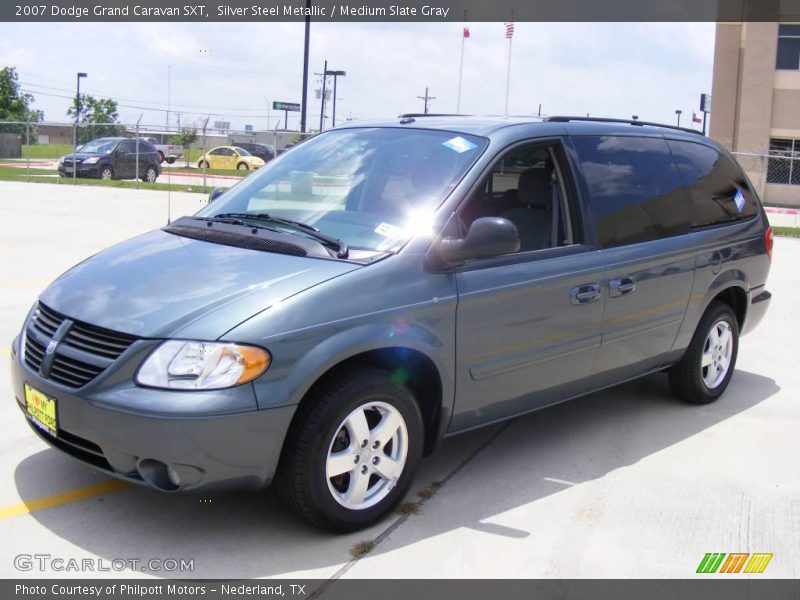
(195, 159)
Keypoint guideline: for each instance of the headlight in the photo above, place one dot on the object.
(179, 364)
(91, 161)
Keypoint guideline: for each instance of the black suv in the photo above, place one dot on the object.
(113, 158)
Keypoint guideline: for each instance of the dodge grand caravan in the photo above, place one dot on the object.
(380, 287)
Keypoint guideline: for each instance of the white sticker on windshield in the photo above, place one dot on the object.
(388, 230)
(459, 144)
(739, 200)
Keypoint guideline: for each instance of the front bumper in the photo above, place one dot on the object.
(65, 170)
(166, 452)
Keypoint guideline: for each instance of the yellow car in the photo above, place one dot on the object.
(229, 157)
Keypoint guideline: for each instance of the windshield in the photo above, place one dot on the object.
(241, 151)
(99, 146)
(372, 188)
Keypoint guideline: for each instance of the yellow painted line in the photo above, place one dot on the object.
(62, 498)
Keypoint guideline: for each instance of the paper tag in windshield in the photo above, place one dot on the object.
(459, 144)
(739, 200)
(388, 231)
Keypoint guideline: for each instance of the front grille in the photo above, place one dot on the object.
(83, 351)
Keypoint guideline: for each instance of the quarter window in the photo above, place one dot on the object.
(788, 47)
(718, 190)
(634, 188)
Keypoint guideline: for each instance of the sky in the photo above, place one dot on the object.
(233, 71)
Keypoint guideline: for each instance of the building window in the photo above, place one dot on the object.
(784, 161)
(788, 47)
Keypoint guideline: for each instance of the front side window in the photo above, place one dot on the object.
(373, 188)
(788, 47)
(634, 188)
(525, 185)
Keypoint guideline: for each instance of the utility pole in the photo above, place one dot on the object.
(335, 75)
(425, 99)
(322, 100)
(304, 95)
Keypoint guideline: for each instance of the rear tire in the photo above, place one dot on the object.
(328, 474)
(703, 374)
(242, 167)
(150, 174)
(161, 156)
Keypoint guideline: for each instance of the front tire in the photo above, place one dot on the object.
(352, 451)
(106, 173)
(705, 370)
(203, 164)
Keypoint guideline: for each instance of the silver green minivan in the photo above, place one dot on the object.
(324, 323)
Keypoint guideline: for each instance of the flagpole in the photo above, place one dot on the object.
(508, 70)
(461, 67)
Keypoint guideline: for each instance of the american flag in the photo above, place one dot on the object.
(696, 119)
(509, 29)
(466, 32)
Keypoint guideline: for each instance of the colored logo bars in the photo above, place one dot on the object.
(736, 562)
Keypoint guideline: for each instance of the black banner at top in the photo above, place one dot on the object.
(402, 10)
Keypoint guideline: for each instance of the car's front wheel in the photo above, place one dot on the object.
(203, 164)
(107, 173)
(352, 450)
(707, 367)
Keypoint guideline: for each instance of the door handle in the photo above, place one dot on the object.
(585, 294)
(621, 287)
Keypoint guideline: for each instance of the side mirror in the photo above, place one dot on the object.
(487, 237)
(215, 193)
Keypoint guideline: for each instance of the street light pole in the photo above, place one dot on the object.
(322, 103)
(75, 131)
(305, 68)
(678, 112)
(335, 75)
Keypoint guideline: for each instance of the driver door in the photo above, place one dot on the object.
(529, 324)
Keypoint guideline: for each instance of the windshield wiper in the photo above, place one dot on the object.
(310, 230)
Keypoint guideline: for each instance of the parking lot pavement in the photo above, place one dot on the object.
(624, 483)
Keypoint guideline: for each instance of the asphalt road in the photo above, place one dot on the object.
(629, 482)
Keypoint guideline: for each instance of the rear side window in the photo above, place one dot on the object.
(634, 188)
(719, 192)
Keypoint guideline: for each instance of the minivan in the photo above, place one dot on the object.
(327, 321)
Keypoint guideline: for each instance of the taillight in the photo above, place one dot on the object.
(768, 241)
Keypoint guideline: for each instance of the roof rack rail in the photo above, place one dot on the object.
(415, 115)
(560, 119)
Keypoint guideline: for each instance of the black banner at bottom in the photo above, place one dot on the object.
(714, 587)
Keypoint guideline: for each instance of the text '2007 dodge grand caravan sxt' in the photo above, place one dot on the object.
(379, 287)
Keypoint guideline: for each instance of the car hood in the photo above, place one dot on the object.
(162, 285)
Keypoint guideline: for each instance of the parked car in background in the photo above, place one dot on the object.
(263, 151)
(383, 286)
(168, 152)
(229, 157)
(113, 158)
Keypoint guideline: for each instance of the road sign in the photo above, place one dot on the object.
(705, 102)
(248, 128)
(286, 106)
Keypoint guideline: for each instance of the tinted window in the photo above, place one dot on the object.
(788, 56)
(634, 188)
(718, 190)
(126, 146)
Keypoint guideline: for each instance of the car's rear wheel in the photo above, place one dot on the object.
(705, 370)
(242, 167)
(352, 450)
(203, 164)
(107, 173)
(161, 156)
(150, 174)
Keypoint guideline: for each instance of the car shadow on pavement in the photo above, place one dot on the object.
(251, 534)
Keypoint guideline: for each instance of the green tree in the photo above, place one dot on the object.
(15, 105)
(185, 137)
(99, 115)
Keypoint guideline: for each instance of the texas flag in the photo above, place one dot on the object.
(696, 119)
